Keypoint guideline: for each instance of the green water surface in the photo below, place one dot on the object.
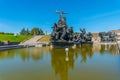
(97, 62)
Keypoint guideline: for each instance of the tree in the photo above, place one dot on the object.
(28, 32)
(36, 31)
(23, 32)
(41, 32)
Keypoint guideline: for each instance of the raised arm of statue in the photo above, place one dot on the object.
(61, 13)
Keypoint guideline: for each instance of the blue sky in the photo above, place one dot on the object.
(94, 15)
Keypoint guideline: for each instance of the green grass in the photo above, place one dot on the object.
(12, 38)
(45, 38)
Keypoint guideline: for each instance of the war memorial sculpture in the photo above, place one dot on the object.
(64, 35)
(107, 37)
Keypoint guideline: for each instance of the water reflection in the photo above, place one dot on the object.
(62, 67)
(25, 54)
(112, 49)
(58, 61)
(84, 51)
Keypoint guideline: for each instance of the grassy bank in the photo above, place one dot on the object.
(12, 38)
(45, 38)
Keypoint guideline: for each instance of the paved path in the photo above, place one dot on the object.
(31, 41)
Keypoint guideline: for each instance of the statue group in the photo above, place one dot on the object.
(107, 37)
(62, 33)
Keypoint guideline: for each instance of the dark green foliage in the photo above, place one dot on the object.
(1, 32)
(24, 32)
(41, 32)
(27, 31)
(7, 33)
(36, 31)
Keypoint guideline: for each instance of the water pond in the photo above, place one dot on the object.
(97, 62)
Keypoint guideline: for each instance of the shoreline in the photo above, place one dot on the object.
(104, 43)
(9, 47)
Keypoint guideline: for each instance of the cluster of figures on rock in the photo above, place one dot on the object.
(62, 33)
(107, 37)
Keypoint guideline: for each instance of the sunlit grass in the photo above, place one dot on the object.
(12, 38)
(45, 38)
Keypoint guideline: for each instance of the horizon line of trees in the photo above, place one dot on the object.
(33, 31)
(7, 33)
